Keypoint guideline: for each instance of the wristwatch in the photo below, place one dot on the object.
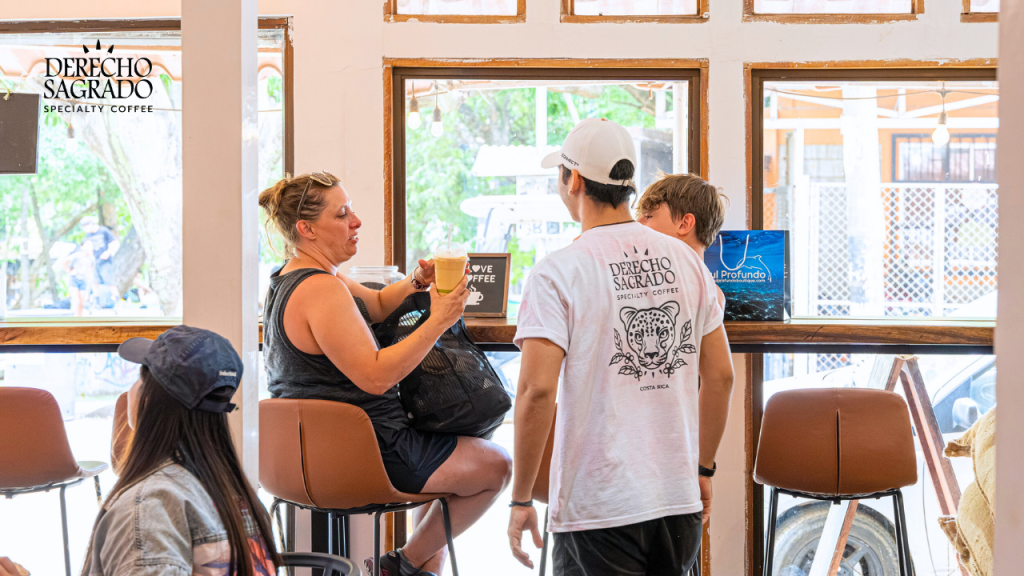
(527, 504)
(707, 472)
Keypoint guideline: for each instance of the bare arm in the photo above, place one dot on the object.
(716, 380)
(535, 409)
(326, 314)
(380, 303)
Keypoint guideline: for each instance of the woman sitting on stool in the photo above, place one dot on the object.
(317, 344)
(182, 504)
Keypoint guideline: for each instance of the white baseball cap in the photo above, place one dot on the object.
(593, 148)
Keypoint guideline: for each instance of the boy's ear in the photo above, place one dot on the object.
(687, 223)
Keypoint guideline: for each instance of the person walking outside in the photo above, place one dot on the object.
(104, 245)
(634, 317)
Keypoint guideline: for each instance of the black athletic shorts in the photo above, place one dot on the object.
(662, 547)
(411, 457)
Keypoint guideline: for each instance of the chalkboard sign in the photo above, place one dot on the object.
(19, 132)
(488, 282)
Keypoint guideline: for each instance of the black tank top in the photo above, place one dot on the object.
(292, 373)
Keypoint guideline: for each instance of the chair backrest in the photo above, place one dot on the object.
(34, 449)
(322, 453)
(836, 442)
(121, 434)
(540, 485)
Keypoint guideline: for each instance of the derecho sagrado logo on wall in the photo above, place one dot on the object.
(100, 75)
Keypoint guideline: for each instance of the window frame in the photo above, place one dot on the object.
(959, 343)
(568, 15)
(973, 17)
(391, 15)
(398, 71)
(749, 15)
(97, 334)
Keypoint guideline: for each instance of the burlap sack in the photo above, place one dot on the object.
(974, 532)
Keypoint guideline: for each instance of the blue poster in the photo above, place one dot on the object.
(751, 267)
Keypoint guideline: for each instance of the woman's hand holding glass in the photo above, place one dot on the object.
(425, 272)
(447, 309)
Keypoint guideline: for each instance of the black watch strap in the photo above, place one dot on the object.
(527, 504)
(707, 472)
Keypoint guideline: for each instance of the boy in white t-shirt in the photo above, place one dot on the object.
(634, 316)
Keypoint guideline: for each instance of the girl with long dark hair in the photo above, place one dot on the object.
(182, 504)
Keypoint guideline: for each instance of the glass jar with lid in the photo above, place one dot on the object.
(375, 276)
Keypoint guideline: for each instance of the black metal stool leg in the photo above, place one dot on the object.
(99, 493)
(332, 534)
(544, 549)
(901, 559)
(902, 519)
(448, 535)
(376, 543)
(345, 546)
(64, 527)
(769, 545)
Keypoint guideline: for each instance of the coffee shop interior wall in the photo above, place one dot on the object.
(340, 45)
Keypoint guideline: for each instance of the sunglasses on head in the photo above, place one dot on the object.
(323, 178)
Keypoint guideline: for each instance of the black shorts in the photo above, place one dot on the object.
(661, 547)
(411, 457)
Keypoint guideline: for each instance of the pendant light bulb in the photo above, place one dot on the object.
(72, 144)
(941, 134)
(436, 127)
(415, 121)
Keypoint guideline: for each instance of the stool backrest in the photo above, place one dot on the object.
(321, 453)
(540, 485)
(836, 442)
(121, 435)
(34, 449)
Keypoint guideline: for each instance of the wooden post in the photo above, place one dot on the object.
(832, 543)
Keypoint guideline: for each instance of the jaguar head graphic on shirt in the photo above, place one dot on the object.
(651, 333)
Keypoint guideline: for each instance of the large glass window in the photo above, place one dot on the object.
(984, 6)
(96, 231)
(833, 6)
(472, 151)
(889, 191)
(457, 7)
(961, 389)
(635, 8)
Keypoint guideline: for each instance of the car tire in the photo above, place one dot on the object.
(871, 545)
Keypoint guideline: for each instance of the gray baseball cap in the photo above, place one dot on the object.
(199, 368)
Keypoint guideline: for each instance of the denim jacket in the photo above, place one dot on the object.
(167, 524)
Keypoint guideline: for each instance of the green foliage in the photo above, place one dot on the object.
(521, 260)
(66, 184)
(438, 169)
(438, 177)
(275, 88)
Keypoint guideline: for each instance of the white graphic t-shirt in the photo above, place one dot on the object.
(629, 306)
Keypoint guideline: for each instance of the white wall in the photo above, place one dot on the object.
(339, 107)
(1009, 554)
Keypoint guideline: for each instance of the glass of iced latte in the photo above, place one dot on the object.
(449, 266)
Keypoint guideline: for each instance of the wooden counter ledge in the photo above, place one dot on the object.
(502, 330)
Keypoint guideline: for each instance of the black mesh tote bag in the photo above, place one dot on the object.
(455, 390)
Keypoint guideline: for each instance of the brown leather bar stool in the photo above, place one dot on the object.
(323, 456)
(837, 444)
(34, 452)
(121, 435)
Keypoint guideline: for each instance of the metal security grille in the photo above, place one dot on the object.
(939, 251)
